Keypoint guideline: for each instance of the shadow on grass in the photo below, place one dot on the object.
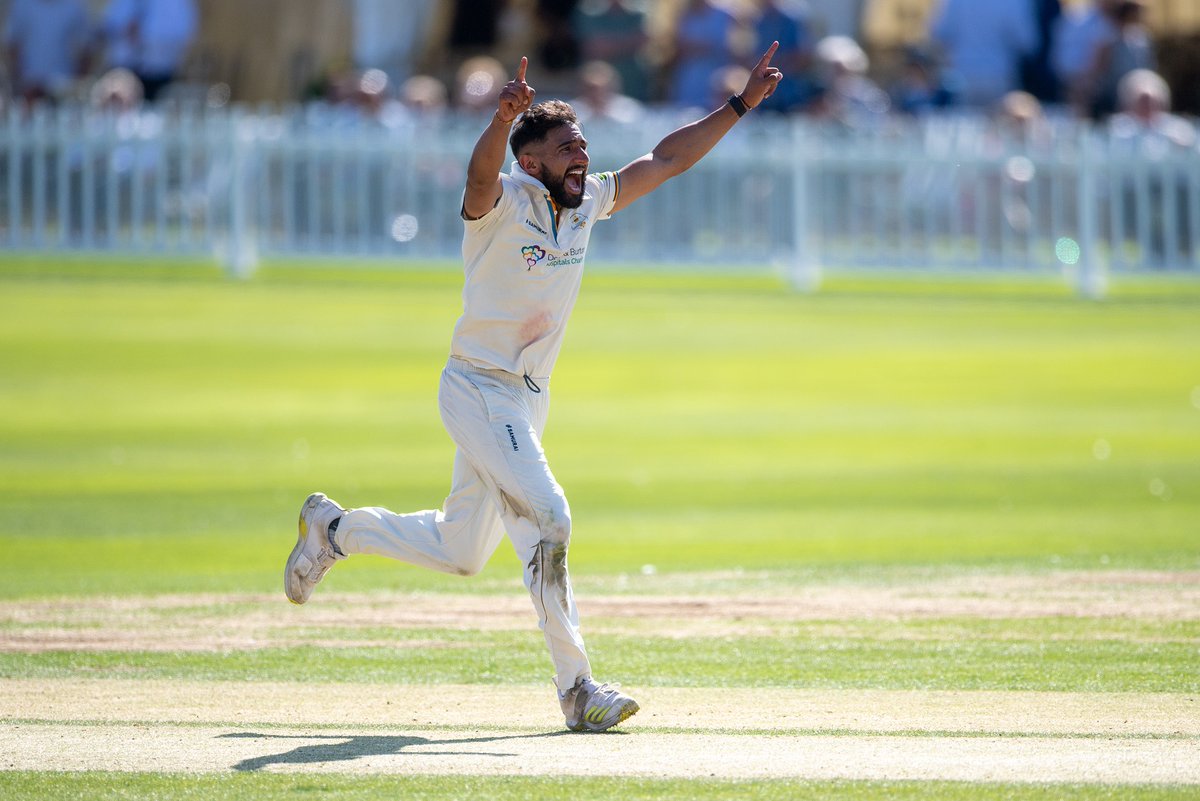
(343, 748)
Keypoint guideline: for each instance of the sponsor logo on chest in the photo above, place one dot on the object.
(533, 254)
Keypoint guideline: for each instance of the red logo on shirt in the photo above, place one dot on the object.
(533, 254)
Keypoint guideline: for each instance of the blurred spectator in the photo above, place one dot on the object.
(1078, 36)
(1157, 198)
(1037, 75)
(117, 32)
(118, 91)
(614, 31)
(390, 35)
(727, 81)
(478, 83)
(1127, 49)
(1020, 118)
(787, 22)
(475, 24)
(47, 46)
(1019, 129)
(920, 89)
(557, 44)
(364, 91)
(151, 38)
(847, 95)
(601, 99)
(984, 42)
(703, 45)
(424, 95)
(1145, 105)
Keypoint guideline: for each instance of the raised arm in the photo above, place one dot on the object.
(685, 146)
(483, 171)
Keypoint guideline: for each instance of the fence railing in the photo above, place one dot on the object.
(943, 194)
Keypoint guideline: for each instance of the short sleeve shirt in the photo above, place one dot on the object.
(51, 36)
(523, 271)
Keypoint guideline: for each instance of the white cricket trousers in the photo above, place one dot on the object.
(501, 482)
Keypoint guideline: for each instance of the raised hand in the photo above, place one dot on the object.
(516, 96)
(763, 79)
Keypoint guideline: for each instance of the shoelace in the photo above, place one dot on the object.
(325, 560)
(604, 694)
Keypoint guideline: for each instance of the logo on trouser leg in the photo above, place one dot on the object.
(512, 436)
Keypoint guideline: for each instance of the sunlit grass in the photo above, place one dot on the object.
(160, 424)
(31, 786)
(159, 431)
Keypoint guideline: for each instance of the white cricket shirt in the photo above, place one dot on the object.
(523, 271)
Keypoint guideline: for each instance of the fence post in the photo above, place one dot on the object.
(805, 270)
(242, 255)
(1092, 277)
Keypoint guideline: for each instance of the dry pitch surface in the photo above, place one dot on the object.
(174, 725)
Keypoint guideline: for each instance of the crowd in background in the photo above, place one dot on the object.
(137, 46)
(1018, 59)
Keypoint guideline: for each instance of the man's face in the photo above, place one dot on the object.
(560, 163)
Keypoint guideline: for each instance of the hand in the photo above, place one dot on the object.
(763, 79)
(516, 96)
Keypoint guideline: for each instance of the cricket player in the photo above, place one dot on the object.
(524, 247)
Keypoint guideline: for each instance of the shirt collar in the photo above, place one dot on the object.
(520, 176)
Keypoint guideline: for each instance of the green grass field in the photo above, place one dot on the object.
(716, 434)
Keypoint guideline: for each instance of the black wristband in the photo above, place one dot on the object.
(738, 105)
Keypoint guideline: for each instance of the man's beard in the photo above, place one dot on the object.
(558, 192)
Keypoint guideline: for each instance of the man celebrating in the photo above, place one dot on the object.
(524, 247)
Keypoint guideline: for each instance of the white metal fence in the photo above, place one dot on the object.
(950, 193)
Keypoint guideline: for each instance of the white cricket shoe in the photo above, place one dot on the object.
(313, 555)
(589, 706)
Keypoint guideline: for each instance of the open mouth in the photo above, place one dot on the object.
(573, 180)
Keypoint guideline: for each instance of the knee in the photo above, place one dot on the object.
(555, 524)
(470, 568)
(468, 561)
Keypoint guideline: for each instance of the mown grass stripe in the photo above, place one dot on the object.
(633, 728)
(246, 748)
(101, 786)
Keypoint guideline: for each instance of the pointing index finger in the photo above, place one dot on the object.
(521, 69)
(767, 56)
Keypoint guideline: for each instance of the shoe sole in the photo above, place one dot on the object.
(291, 587)
(627, 711)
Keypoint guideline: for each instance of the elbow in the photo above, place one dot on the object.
(678, 168)
(670, 166)
(682, 167)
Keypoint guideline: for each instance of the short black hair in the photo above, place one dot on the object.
(538, 121)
